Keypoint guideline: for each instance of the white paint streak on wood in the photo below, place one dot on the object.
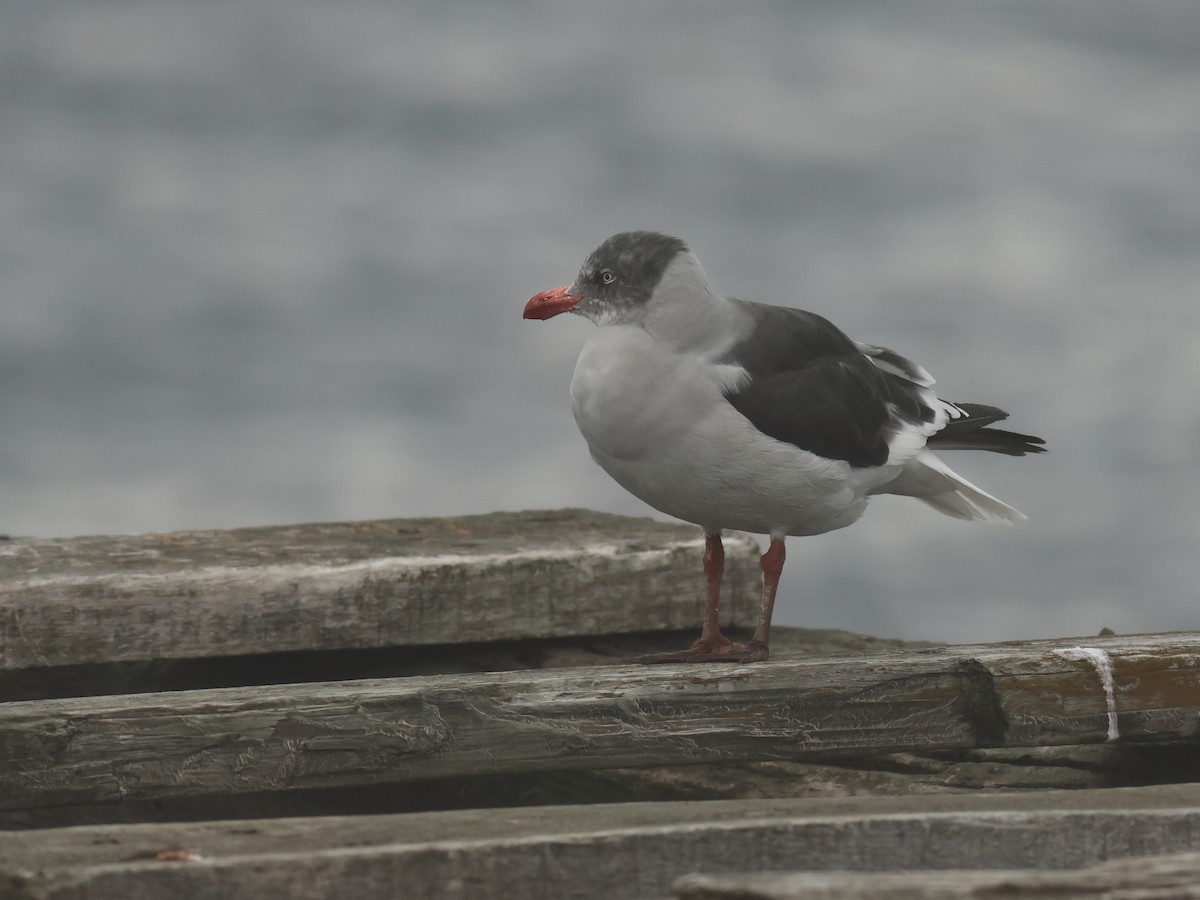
(1102, 663)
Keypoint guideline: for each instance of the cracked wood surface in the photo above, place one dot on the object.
(401, 582)
(243, 740)
(601, 852)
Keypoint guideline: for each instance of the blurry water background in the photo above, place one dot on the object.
(264, 262)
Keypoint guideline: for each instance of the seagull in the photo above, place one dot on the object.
(739, 415)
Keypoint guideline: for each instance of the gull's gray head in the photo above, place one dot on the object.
(615, 282)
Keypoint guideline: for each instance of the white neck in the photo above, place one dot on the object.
(685, 312)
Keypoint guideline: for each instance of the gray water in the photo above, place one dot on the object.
(264, 262)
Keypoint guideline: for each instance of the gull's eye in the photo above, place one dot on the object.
(607, 277)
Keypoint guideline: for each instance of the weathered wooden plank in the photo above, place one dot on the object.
(862, 775)
(866, 774)
(614, 852)
(1173, 877)
(844, 774)
(356, 584)
(138, 677)
(95, 750)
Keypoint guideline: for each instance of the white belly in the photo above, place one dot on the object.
(657, 422)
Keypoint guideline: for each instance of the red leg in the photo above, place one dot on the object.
(712, 645)
(714, 569)
(772, 568)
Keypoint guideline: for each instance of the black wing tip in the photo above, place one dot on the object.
(1028, 444)
(978, 415)
(973, 433)
(1034, 444)
(996, 440)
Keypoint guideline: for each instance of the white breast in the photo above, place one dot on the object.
(657, 422)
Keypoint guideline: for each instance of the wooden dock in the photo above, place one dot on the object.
(439, 708)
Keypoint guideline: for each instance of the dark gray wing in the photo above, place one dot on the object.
(811, 386)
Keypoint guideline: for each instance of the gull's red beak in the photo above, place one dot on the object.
(550, 303)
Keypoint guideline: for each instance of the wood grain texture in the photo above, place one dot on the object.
(1171, 877)
(604, 852)
(401, 582)
(97, 750)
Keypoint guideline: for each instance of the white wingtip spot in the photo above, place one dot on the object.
(1102, 663)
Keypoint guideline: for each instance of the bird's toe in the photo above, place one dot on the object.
(706, 650)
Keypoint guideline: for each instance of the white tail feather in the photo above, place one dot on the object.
(931, 481)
